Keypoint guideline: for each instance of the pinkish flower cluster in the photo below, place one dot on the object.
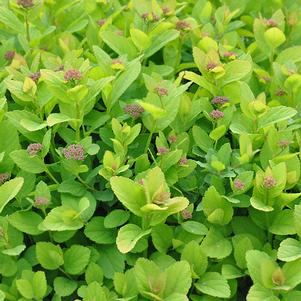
(134, 110)
(166, 10)
(74, 152)
(229, 54)
(183, 161)
(117, 62)
(41, 201)
(280, 93)
(183, 25)
(144, 16)
(9, 55)
(26, 3)
(283, 143)
(161, 150)
(217, 114)
(34, 148)
(271, 22)
(239, 185)
(186, 214)
(161, 91)
(35, 76)
(172, 138)
(72, 75)
(4, 176)
(219, 100)
(211, 65)
(101, 22)
(269, 182)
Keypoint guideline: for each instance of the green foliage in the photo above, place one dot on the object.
(150, 150)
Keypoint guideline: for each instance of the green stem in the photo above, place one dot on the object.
(85, 184)
(51, 176)
(148, 141)
(66, 274)
(27, 27)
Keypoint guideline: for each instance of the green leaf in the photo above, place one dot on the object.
(116, 218)
(8, 18)
(215, 245)
(128, 236)
(25, 288)
(292, 273)
(140, 39)
(76, 259)
(94, 292)
(94, 273)
(39, 285)
(57, 118)
(26, 221)
(194, 227)
(201, 138)
(260, 293)
(49, 255)
(63, 286)
(14, 251)
(162, 236)
(289, 250)
(160, 41)
(235, 71)
(9, 190)
(194, 255)
(27, 163)
(129, 193)
(213, 284)
(274, 115)
(96, 231)
(178, 279)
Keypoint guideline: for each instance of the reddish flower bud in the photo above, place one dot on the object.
(74, 152)
(9, 55)
(239, 185)
(217, 114)
(144, 16)
(101, 22)
(166, 10)
(183, 161)
(34, 148)
(280, 93)
(162, 150)
(183, 25)
(72, 75)
(35, 76)
(172, 139)
(211, 65)
(161, 91)
(156, 18)
(269, 182)
(26, 3)
(283, 143)
(41, 201)
(219, 100)
(4, 176)
(186, 214)
(271, 22)
(134, 110)
(229, 54)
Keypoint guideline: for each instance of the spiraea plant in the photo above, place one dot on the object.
(150, 150)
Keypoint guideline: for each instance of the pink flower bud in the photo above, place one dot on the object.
(134, 110)
(220, 100)
(217, 114)
(34, 148)
(239, 185)
(41, 201)
(271, 22)
(269, 182)
(74, 152)
(186, 214)
(72, 75)
(211, 65)
(183, 161)
(9, 55)
(162, 150)
(283, 143)
(4, 176)
(183, 25)
(101, 22)
(172, 139)
(161, 91)
(26, 3)
(35, 76)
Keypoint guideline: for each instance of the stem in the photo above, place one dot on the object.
(51, 176)
(85, 184)
(66, 274)
(27, 27)
(148, 141)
